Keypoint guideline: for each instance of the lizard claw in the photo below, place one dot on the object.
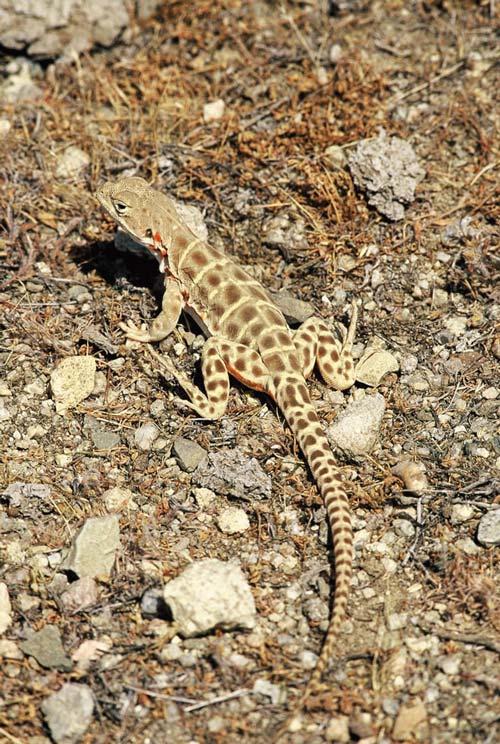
(134, 333)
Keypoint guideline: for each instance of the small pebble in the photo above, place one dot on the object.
(233, 520)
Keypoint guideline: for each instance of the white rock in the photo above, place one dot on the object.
(146, 435)
(213, 111)
(491, 393)
(374, 365)
(210, 594)
(450, 664)
(116, 499)
(5, 608)
(337, 730)
(460, 513)
(72, 381)
(233, 520)
(356, 429)
(456, 324)
(397, 621)
(276, 693)
(409, 718)
(468, 546)
(72, 162)
(203, 497)
(10, 650)
(5, 127)
(413, 475)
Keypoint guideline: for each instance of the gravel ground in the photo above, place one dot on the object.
(110, 494)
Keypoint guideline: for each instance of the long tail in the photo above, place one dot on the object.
(293, 398)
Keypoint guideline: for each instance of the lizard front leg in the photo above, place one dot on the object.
(315, 343)
(219, 358)
(165, 322)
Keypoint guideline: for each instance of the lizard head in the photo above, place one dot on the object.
(129, 203)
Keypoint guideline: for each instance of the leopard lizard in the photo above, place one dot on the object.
(247, 337)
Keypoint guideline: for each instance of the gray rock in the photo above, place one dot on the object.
(388, 170)
(210, 594)
(96, 337)
(46, 647)
(356, 429)
(80, 594)
(188, 454)
(231, 473)
(152, 602)
(69, 712)
(105, 440)
(20, 493)
(72, 381)
(47, 29)
(276, 693)
(294, 310)
(93, 549)
(488, 531)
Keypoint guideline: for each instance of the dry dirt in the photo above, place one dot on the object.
(424, 621)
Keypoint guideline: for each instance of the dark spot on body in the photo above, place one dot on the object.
(232, 330)
(247, 313)
(232, 294)
(198, 258)
(213, 279)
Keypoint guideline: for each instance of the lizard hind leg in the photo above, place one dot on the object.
(219, 358)
(315, 343)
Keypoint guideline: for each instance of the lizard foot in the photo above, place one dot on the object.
(134, 333)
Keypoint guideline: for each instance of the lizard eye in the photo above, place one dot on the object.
(120, 207)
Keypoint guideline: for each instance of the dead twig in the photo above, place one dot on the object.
(475, 639)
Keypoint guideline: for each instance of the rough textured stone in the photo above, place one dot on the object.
(69, 712)
(388, 170)
(488, 531)
(356, 429)
(188, 454)
(46, 647)
(93, 549)
(47, 29)
(232, 473)
(210, 594)
(72, 381)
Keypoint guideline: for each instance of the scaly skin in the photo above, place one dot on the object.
(248, 338)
